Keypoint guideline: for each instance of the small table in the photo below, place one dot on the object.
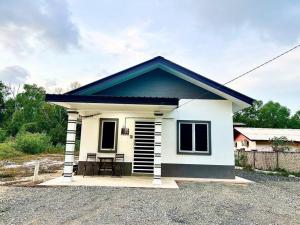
(106, 163)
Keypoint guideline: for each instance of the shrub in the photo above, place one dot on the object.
(243, 160)
(58, 134)
(280, 144)
(248, 167)
(59, 148)
(7, 151)
(237, 162)
(32, 142)
(3, 135)
(30, 127)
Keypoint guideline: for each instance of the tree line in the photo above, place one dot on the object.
(269, 115)
(27, 111)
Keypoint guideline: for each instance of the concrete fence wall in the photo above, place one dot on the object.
(289, 161)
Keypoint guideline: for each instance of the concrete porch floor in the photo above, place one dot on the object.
(135, 181)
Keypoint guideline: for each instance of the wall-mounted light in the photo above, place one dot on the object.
(158, 113)
(125, 131)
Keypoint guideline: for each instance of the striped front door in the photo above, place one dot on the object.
(143, 147)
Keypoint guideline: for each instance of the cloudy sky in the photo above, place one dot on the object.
(55, 42)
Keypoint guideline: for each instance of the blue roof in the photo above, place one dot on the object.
(171, 65)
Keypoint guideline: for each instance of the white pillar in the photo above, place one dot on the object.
(157, 151)
(70, 145)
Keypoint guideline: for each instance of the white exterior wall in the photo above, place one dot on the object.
(252, 145)
(90, 134)
(219, 112)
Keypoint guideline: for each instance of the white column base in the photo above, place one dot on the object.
(156, 181)
(67, 179)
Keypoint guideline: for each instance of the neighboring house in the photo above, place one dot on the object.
(166, 119)
(248, 138)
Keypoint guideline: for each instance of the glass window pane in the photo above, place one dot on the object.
(186, 137)
(108, 135)
(201, 137)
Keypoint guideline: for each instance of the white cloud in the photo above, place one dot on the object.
(50, 83)
(14, 75)
(129, 45)
(271, 20)
(27, 25)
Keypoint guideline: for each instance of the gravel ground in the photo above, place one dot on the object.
(272, 200)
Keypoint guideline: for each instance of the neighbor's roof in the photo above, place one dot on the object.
(264, 134)
(164, 63)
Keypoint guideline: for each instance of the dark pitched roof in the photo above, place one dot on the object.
(172, 65)
(111, 99)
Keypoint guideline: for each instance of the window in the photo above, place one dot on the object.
(193, 137)
(108, 135)
(245, 143)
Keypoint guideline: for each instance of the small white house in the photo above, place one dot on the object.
(249, 138)
(165, 119)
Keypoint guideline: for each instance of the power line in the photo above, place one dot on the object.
(261, 65)
(249, 71)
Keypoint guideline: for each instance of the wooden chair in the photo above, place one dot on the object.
(90, 160)
(119, 164)
(106, 164)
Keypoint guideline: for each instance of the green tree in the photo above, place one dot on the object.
(269, 115)
(274, 115)
(30, 113)
(27, 107)
(3, 96)
(295, 120)
(250, 115)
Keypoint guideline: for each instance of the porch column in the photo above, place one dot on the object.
(157, 151)
(70, 145)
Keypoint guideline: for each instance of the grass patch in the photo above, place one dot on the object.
(286, 173)
(7, 151)
(6, 175)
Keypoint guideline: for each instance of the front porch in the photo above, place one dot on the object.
(137, 181)
(131, 127)
(107, 181)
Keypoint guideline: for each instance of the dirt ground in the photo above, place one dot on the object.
(270, 200)
(20, 170)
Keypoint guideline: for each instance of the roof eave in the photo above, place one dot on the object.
(111, 99)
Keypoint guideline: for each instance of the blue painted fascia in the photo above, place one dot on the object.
(111, 99)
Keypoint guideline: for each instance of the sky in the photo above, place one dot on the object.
(56, 42)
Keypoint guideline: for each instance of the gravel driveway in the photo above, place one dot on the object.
(271, 200)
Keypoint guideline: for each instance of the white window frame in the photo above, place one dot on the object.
(193, 150)
(114, 149)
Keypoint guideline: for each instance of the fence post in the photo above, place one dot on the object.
(277, 161)
(254, 157)
(36, 171)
